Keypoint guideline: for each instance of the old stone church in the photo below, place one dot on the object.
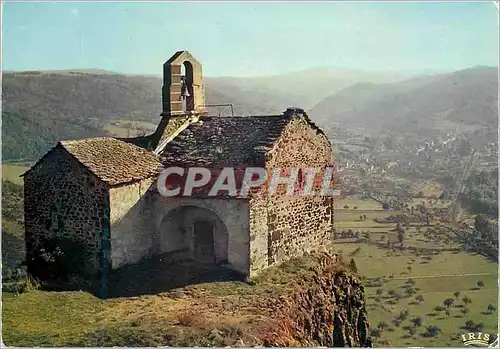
(100, 193)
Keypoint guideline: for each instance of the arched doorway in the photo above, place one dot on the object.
(197, 233)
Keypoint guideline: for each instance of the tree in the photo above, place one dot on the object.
(467, 300)
(410, 291)
(417, 321)
(403, 314)
(419, 298)
(448, 302)
(401, 237)
(375, 332)
(386, 206)
(412, 331)
(355, 207)
(480, 283)
(379, 292)
(482, 224)
(491, 308)
(352, 266)
(432, 330)
(470, 325)
(456, 294)
(346, 206)
(464, 311)
(382, 325)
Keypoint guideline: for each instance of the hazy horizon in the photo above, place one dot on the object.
(407, 73)
(258, 39)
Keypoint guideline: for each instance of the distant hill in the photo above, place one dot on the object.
(465, 100)
(308, 87)
(42, 107)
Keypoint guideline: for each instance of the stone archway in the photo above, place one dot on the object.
(196, 232)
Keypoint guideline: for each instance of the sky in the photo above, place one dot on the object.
(249, 38)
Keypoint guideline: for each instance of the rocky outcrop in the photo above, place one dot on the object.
(326, 309)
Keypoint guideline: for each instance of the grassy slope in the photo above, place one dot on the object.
(206, 314)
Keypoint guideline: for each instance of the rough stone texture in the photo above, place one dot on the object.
(131, 225)
(292, 224)
(327, 309)
(64, 200)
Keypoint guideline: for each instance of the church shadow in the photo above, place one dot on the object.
(161, 274)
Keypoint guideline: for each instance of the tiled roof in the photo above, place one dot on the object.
(211, 141)
(113, 161)
(227, 141)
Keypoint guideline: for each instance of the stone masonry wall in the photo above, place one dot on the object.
(282, 226)
(131, 224)
(64, 200)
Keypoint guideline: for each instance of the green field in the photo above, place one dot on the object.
(428, 188)
(437, 271)
(356, 201)
(122, 128)
(435, 280)
(13, 172)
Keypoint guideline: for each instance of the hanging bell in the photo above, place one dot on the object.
(185, 92)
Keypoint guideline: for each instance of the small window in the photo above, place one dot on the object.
(300, 182)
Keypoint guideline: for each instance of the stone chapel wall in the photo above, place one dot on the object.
(131, 222)
(284, 227)
(63, 200)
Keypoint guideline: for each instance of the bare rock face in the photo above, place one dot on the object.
(327, 309)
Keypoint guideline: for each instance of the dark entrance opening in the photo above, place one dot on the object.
(204, 251)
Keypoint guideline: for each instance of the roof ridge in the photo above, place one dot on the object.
(74, 141)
